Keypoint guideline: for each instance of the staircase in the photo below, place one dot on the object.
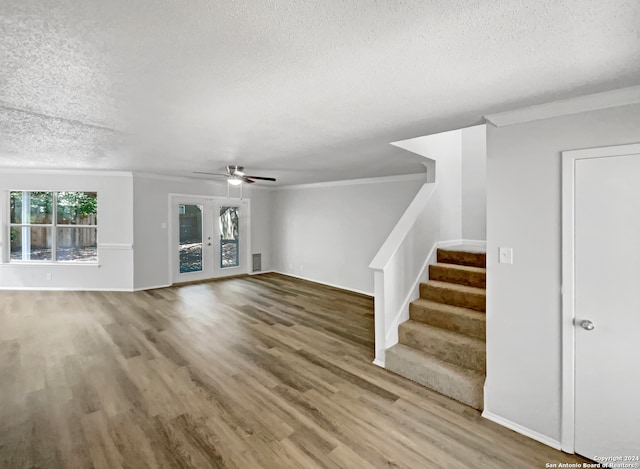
(442, 345)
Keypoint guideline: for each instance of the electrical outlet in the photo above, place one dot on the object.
(48, 275)
(301, 267)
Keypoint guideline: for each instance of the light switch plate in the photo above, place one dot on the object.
(505, 255)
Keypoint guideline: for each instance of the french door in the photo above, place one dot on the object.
(209, 237)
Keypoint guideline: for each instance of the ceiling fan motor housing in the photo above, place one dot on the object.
(232, 170)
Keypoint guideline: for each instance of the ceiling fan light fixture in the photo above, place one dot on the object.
(234, 181)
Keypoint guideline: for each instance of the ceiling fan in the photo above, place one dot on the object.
(235, 176)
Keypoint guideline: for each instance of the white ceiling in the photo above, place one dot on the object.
(304, 90)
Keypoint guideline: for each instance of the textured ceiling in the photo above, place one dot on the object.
(304, 90)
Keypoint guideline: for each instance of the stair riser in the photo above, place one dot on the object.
(458, 354)
(472, 327)
(473, 259)
(474, 301)
(461, 277)
(462, 389)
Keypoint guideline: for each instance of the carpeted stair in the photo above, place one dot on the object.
(442, 345)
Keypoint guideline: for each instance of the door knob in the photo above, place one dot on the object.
(588, 325)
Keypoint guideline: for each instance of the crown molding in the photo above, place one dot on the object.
(347, 182)
(66, 172)
(212, 182)
(565, 107)
(166, 177)
(354, 182)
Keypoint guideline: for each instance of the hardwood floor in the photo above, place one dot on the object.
(256, 372)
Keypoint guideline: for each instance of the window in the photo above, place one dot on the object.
(53, 226)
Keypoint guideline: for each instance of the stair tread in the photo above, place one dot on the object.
(458, 310)
(457, 382)
(456, 286)
(462, 257)
(452, 337)
(465, 321)
(429, 359)
(458, 274)
(466, 268)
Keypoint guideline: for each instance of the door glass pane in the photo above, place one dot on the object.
(229, 237)
(77, 244)
(190, 226)
(30, 243)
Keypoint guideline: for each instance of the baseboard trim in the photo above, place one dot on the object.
(522, 430)
(153, 287)
(333, 285)
(378, 362)
(64, 289)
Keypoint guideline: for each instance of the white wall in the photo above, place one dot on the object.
(115, 232)
(151, 199)
(474, 183)
(463, 175)
(523, 299)
(330, 233)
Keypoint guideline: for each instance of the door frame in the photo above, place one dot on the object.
(569, 158)
(245, 249)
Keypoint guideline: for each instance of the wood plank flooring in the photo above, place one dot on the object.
(256, 372)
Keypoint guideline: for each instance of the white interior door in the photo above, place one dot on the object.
(607, 280)
(210, 237)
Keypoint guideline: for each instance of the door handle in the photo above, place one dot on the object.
(587, 325)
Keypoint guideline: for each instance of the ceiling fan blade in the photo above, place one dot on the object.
(261, 178)
(211, 174)
(247, 180)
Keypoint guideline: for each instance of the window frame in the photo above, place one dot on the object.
(54, 231)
